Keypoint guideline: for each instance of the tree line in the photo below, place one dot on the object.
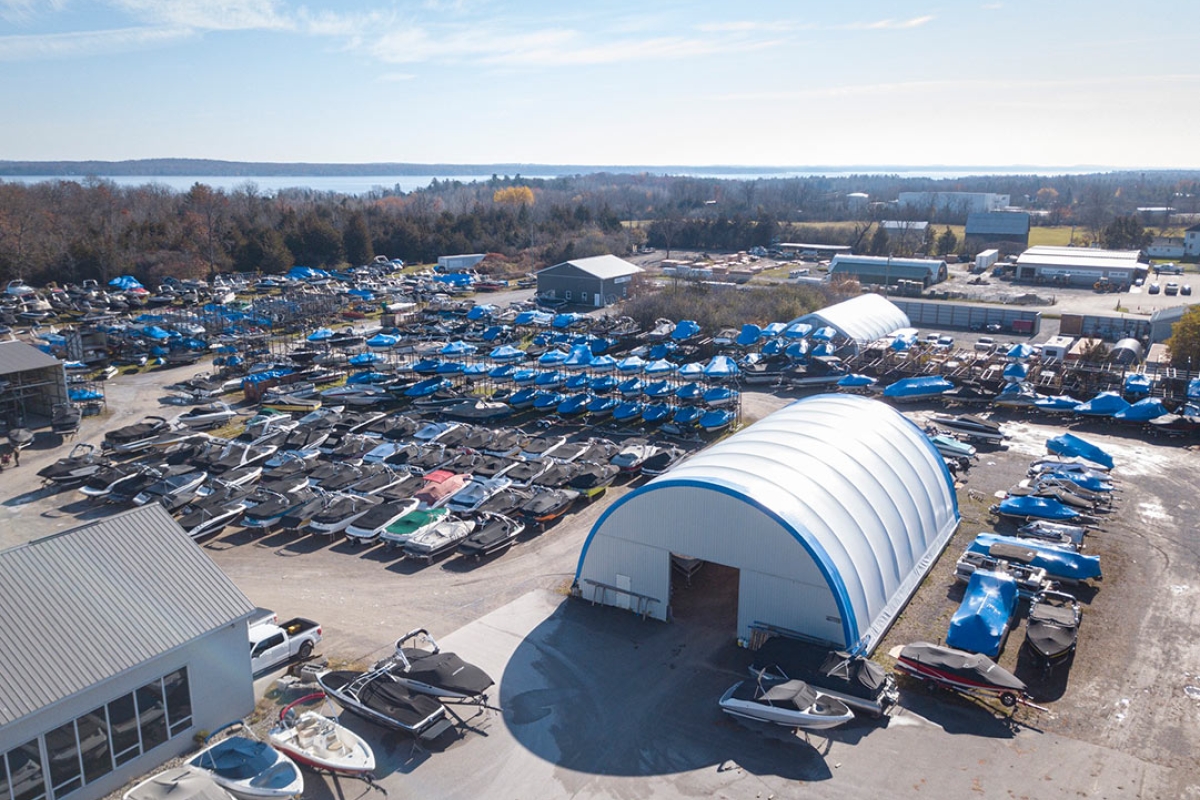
(69, 230)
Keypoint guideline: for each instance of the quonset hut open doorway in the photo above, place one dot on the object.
(704, 593)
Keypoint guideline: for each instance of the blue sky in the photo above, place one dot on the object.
(662, 82)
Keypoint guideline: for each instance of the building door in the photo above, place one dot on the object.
(599, 299)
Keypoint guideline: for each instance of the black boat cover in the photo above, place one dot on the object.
(968, 667)
(384, 696)
(496, 531)
(445, 671)
(1052, 629)
(795, 693)
(839, 671)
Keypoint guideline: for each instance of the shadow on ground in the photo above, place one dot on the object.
(600, 691)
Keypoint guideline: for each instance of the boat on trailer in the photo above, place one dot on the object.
(428, 670)
(377, 697)
(791, 703)
(959, 671)
(320, 742)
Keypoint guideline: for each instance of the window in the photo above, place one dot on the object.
(93, 745)
(90, 747)
(266, 644)
(583, 296)
(567, 294)
(179, 701)
(62, 753)
(122, 720)
(25, 772)
(152, 715)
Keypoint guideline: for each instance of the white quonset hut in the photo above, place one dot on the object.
(861, 319)
(832, 509)
(119, 641)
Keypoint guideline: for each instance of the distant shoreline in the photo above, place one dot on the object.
(168, 167)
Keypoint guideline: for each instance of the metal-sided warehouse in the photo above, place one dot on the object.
(831, 510)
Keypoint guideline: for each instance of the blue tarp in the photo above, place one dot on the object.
(855, 380)
(552, 357)
(455, 279)
(1071, 446)
(632, 364)
(507, 352)
(1015, 372)
(156, 333)
(1104, 404)
(660, 367)
(797, 350)
(480, 312)
(798, 330)
(533, 318)
(749, 336)
(981, 621)
(562, 321)
(458, 348)
(1137, 383)
(910, 388)
(824, 334)
(774, 329)
(1056, 403)
(685, 329)
(383, 340)
(307, 274)
(1019, 351)
(1193, 390)
(125, 283)
(363, 359)
(1037, 508)
(426, 387)
(1143, 410)
(603, 363)
(691, 370)
(1058, 562)
(579, 358)
(720, 367)
(79, 395)
(320, 335)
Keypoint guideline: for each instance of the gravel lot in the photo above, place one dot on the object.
(600, 704)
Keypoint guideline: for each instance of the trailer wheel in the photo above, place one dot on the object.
(306, 651)
(1008, 699)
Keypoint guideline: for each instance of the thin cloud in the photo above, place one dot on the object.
(18, 11)
(212, 15)
(886, 24)
(396, 77)
(87, 43)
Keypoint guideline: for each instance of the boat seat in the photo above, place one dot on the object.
(333, 743)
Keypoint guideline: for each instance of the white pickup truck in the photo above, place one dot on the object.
(272, 645)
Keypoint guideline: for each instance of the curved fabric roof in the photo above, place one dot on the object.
(853, 481)
(864, 318)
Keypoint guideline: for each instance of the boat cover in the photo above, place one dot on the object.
(926, 386)
(1137, 383)
(1105, 404)
(444, 670)
(179, 783)
(969, 668)
(855, 380)
(836, 670)
(1070, 445)
(1036, 507)
(750, 335)
(1056, 402)
(1143, 410)
(1019, 351)
(794, 693)
(685, 329)
(384, 696)
(1052, 629)
(1058, 562)
(721, 367)
(981, 621)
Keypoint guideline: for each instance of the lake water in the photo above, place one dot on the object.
(365, 184)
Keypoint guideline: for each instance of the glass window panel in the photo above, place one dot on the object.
(179, 701)
(152, 718)
(122, 721)
(25, 772)
(93, 743)
(62, 750)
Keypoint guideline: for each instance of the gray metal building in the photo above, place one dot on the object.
(1079, 266)
(31, 382)
(1005, 230)
(597, 281)
(832, 510)
(887, 271)
(120, 640)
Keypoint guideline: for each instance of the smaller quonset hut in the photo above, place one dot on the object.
(119, 641)
(832, 510)
(31, 382)
(597, 281)
(861, 319)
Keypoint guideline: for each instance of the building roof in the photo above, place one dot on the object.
(863, 319)
(602, 267)
(903, 225)
(18, 357)
(997, 223)
(1080, 257)
(87, 604)
(854, 482)
(924, 268)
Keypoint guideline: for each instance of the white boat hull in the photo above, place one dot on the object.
(321, 743)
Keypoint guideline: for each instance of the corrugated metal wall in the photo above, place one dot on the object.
(780, 584)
